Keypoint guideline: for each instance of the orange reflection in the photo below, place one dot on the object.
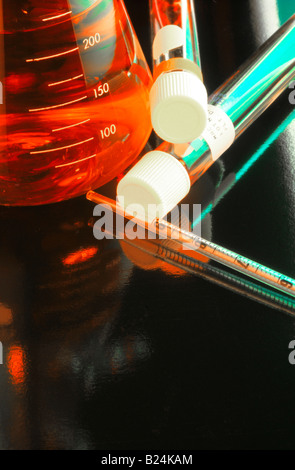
(5, 315)
(80, 256)
(15, 83)
(150, 255)
(16, 364)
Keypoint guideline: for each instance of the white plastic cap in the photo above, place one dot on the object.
(168, 38)
(179, 106)
(154, 186)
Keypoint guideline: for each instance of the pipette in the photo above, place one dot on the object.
(215, 252)
(155, 254)
(178, 97)
(163, 177)
(148, 254)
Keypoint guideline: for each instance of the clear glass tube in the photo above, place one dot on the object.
(178, 97)
(245, 96)
(180, 13)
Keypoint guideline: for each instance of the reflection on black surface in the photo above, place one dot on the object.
(60, 297)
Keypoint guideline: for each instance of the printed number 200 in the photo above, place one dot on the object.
(91, 41)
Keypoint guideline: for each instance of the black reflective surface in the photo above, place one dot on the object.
(105, 350)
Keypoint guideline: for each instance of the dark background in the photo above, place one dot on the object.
(107, 354)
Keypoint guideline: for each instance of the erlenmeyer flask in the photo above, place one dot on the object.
(74, 84)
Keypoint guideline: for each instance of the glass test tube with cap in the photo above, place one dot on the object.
(162, 178)
(178, 97)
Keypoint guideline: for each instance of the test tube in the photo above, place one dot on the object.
(162, 178)
(178, 97)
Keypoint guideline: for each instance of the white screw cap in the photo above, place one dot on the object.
(179, 106)
(169, 37)
(154, 186)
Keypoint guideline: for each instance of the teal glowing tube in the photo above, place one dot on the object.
(233, 108)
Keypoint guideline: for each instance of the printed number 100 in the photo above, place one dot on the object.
(108, 131)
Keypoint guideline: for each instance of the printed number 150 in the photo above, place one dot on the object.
(101, 90)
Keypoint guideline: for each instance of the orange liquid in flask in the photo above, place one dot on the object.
(74, 110)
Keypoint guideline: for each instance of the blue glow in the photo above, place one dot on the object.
(265, 145)
(286, 9)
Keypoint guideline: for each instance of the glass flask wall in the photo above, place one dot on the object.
(74, 82)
